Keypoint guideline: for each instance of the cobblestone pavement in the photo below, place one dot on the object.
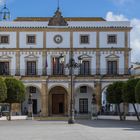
(60, 130)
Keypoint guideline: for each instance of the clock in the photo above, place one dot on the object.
(58, 39)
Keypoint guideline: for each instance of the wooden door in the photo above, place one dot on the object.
(57, 103)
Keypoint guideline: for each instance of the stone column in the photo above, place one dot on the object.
(98, 95)
(44, 101)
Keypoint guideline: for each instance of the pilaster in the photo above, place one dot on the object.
(98, 95)
(44, 97)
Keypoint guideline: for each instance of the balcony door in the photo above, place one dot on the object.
(58, 68)
(31, 67)
(85, 68)
(112, 67)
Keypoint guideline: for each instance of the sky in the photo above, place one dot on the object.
(112, 10)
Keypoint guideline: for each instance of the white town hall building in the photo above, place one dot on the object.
(30, 49)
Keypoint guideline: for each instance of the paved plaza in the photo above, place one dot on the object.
(60, 130)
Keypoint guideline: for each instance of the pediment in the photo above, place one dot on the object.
(31, 57)
(113, 56)
(5, 57)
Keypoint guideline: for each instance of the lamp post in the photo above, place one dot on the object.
(30, 107)
(71, 66)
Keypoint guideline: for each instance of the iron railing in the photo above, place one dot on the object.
(64, 72)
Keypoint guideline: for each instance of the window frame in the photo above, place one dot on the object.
(32, 89)
(5, 43)
(110, 42)
(83, 35)
(84, 106)
(83, 90)
(31, 35)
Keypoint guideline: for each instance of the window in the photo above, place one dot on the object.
(31, 68)
(83, 89)
(84, 39)
(4, 39)
(32, 89)
(83, 105)
(112, 67)
(31, 39)
(4, 68)
(58, 68)
(85, 68)
(112, 39)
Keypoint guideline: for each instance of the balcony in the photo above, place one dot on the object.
(64, 72)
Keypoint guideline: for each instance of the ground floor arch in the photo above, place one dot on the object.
(58, 101)
(83, 99)
(36, 100)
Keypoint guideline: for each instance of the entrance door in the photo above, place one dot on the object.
(57, 103)
(34, 106)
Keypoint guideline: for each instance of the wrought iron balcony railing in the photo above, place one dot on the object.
(64, 72)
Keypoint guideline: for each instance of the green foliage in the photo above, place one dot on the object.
(137, 92)
(15, 90)
(3, 90)
(129, 91)
(114, 92)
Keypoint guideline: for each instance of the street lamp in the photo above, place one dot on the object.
(71, 65)
(30, 106)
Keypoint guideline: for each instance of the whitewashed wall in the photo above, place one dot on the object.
(103, 63)
(23, 42)
(79, 95)
(23, 64)
(12, 40)
(120, 40)
(64, 44)
(92, 40)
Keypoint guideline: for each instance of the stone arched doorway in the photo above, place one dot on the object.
(83, 99)
(36, 100)
(58, 101)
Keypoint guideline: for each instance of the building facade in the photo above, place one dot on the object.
(30, 50)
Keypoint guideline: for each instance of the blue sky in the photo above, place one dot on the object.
(73, 8)
(112, 10)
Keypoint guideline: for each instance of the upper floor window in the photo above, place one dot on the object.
(84, 39)
(4, 39)
(112, 67)
(32, 89)
(31, 39)
(83, 89)
(85, 68)
(31, 68)
(4, 68)
(112, 39)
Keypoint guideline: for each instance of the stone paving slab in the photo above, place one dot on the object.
(60, 130)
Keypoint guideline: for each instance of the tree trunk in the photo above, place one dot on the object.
(136, 112)
(118, 105)
(10, 112)
(124, 110)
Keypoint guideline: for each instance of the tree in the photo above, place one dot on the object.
(137, 92)
(3, 90)
(114, 95)
(15, 92)
(128, 95)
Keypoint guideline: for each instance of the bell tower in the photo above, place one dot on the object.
(4, 13)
